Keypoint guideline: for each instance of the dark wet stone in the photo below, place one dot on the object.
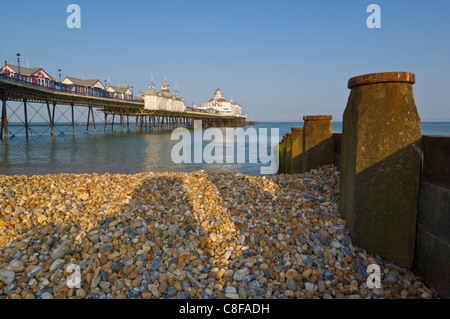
(328, 276)
(171, 292)
(308, 261)
(17, 255)
(183, 295)
(156, 266)
(116, 266)
(133, 294)
(103, 275)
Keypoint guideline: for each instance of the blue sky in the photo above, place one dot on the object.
(279, 59)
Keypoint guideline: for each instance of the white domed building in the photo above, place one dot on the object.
(164, 100)
(221, 105)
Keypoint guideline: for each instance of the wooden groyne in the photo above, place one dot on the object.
(394, 184)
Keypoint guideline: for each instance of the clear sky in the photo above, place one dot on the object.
(279, 59)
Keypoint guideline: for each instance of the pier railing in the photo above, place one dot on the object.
(65, 88)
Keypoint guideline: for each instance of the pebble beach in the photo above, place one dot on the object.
(185, 235)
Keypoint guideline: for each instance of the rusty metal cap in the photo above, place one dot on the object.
(317, 117)
(406, 77)
(296, 129)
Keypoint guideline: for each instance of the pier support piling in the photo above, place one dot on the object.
(121, 121)
(50, 117)
(73, 120)
(25, 113)
(93, 120)
(4, 129)
(88, 119)
(106, 122)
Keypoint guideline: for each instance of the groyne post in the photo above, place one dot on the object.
(288, 152)
(282, 152)
(297, 150)
(380, 165)
(318, 142)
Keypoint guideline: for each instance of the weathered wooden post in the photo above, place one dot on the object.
(318, 142)
(297, 150)
(282, 152)
(380, 164)
(287, 159)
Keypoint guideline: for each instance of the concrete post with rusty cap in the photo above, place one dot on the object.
(297, 150)
(380, 165)
(281, 150)
(318, 142)
(287, 159)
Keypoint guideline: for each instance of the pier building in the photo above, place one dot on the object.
(221, 105)
(163, 100)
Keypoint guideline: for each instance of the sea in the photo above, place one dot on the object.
(136, 152)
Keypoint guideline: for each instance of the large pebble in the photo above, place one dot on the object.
(16, 266)
(291, 284)
(58, 263)
(35, 271)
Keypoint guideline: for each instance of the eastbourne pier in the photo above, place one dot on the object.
(20, 92)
